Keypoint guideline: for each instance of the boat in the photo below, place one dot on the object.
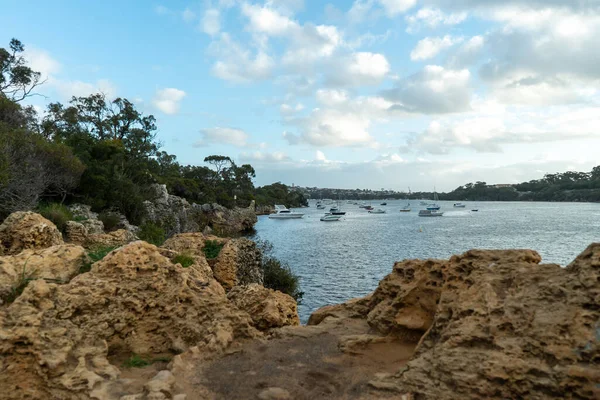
(377, 211)
(430, 213)
(475, 210)
(459, 205)
(423, 203)
(406, 208)
(320, 207)
(330, 218)
(368, 208)
(433, 206)
(383, 204)
(282, 212)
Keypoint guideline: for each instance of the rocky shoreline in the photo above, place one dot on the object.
(481, 325)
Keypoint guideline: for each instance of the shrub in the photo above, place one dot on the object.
(184, 259)
(58, 213)
(152, 233)
(95, 254)
(212, 248)
(109, 219)
(279, 276)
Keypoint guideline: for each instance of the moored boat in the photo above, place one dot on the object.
(282, 212)
(430, 213)
(406, 208)
(459, 205)
(377, 211)
(330, 218)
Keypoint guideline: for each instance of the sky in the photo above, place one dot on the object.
(347, 94)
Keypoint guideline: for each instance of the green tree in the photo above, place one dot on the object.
(17, 80)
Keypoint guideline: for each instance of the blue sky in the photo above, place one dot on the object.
(365, 93)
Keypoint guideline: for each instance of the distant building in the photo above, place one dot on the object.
(503, 185)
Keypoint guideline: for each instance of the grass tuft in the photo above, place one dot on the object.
(152, 233)
(212, 248)
(58, 213)
(184, 259)
(136, 361)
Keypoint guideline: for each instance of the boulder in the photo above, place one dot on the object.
(490, 324)
(57, 264)
(57, 338)
(172, 213)
(191, 243)
(224, 221)
(116, 238)
(27, 230)
(238, 263)
(75, 232)
(82, 211)
(268, 308)
(94, 226)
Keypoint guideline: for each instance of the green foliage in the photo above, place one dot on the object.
(278, 193)
(136, 361)
(17, 80)
(279, 276)
(184, 259)
(152, 233)
(95, 255)
(109, 219)
(58, 213)
(212, 248)
(24, 278)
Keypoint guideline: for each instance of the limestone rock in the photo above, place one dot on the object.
(56, 338)
(274, 393)
(505, 326)
(191, 243)
(27, 230)
(172, 213)
(116, 238)
(93, 226)
(76, 232)
(268, 308)
(265, 210)
(57, 263)
(238, 263)
(225, 221)
(83, 211)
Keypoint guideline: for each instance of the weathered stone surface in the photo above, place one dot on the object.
(264, 210)
(495, 324)
(56, 338)
(225, 221)
(93, 226)
(27, 230)
(57, 263)
(190, 243)
(238, 263)
(170, 212)
(274, 393)
(76, 232)
(268, 308)
(116, 238)
(82, 211)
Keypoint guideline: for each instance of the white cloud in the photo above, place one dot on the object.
(41, 61)
(332, 97)
(394, 7)
(287, 109)
(330, 127)
(468, 53)
(433, 90)
(431, 46)
(239, 65)
(358, 69)
(167, 100)
(267, 20)
(67, 89)
(261, 157)
(211, 22)
(320, 156)
(231, 136)
(432, 18)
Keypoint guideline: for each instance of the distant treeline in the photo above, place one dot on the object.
(102, 152)
(568, 186)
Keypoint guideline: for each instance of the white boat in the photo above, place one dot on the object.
(433, 206)
(459, 205)
(406, 208)
(320, 207)
(430, 213)
(330, 218)
(377, 211)
(282, 212)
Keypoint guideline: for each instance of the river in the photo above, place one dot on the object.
(337, 261)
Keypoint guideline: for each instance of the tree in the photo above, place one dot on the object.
(17, 80)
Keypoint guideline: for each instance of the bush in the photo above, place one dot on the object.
(59, 214)
(110, 220)
(184, 259)
(96, 254)
(280, 277)
(152, 233)
(212, 248)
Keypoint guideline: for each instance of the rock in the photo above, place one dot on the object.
(268, 308)
(82, 211)
(116, 238)
(505, 326)
(274, 393)
(238, 263)
(93, 226)
(56, 338)
(57, 263)
(172, 213)
(265, 210)
(76, 232)
(224, 221)
(27, 230)
(161, 384)
(190, 243)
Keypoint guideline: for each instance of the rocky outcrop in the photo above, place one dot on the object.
(172, 213)
(56, 264)
(27, 230)
(224, 221)
(76, 232)
(239, 262)
(492, 324)
(268, 308)
(57, 339)
(265, 210)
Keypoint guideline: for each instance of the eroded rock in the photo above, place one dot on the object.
(27, 230)
(268, 308)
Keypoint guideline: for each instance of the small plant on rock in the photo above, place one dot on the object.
(110, 220)
(58, 213)
(152, 233)
(95, 254)
(212, 248)
(136, 361)
(278, 275)
(184, 259)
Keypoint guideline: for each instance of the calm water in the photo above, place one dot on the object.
(340, 260)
